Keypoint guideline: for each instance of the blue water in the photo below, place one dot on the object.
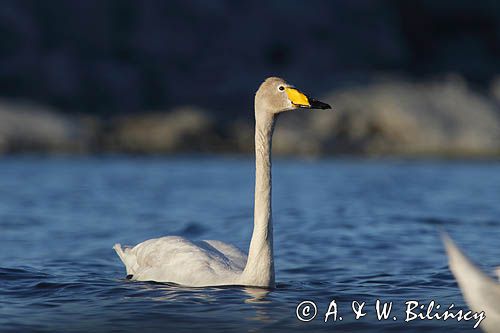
(345, 230)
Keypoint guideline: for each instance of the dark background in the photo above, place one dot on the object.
(125, 56)
(108, 59)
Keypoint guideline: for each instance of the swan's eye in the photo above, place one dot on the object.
(281, 88)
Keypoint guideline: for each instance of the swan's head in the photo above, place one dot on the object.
(275, 95)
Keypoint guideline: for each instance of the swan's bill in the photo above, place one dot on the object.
(300, 100)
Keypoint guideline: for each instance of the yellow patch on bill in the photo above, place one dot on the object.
(297, 97)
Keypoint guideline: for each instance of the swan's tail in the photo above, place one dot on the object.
(129, 259)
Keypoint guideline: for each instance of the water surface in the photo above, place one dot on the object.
(345, 230)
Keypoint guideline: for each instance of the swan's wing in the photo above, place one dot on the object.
(178, 260)
(480, 291)
(235, 255)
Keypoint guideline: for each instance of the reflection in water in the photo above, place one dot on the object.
(258, 298)
(257, 295)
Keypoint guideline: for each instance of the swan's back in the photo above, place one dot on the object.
(178, 260)
(480, 291)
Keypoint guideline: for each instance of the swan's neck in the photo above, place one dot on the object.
(259, 270)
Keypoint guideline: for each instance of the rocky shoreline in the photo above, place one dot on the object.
(388, 117)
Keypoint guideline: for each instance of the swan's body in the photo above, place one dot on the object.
(176, 259)
(211, 263)
(480, 291)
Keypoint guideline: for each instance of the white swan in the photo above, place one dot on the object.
(480, 291)
(211, 263)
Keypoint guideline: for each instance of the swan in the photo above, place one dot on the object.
(213, 263)
(480, 291)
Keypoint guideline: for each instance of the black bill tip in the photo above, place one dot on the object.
(315, 104)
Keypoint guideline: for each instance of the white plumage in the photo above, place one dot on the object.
(178, 260)
(480, 291)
